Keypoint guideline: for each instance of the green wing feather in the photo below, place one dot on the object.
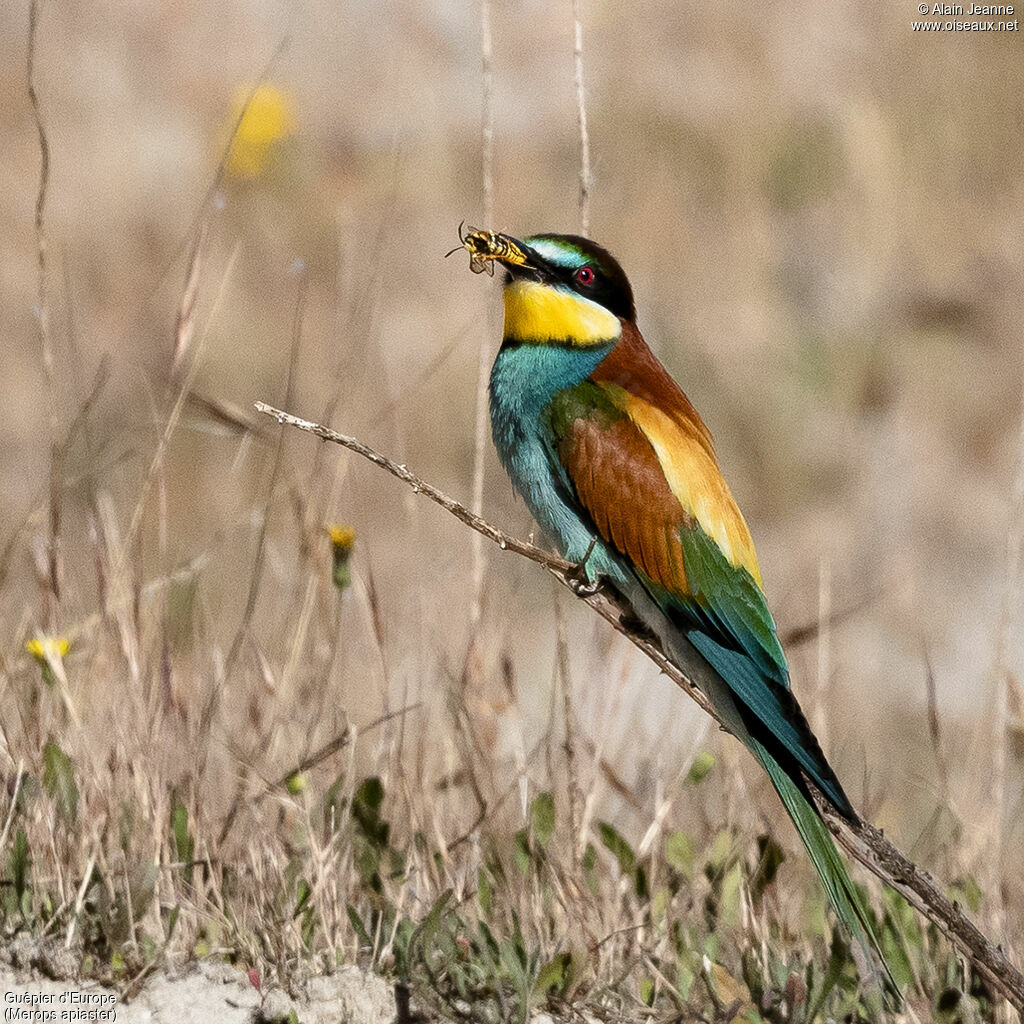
(734, 599)
(817, 840)
(745, 652)
(777, 712)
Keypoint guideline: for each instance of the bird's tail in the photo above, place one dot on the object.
(842, 894)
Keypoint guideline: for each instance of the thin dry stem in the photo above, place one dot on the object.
(483, 355)
(44, 182)
(19, 778)
(581, 118)
(824, 650)
(569, 747)
(935, 731)
(80, 900)
(43, 314)
(864, 842)
(169, 427)
(257, 570)
(487, 121)
(1000, 670)
(184, 328)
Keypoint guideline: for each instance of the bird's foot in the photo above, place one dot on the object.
(582, 587)
(580, 581)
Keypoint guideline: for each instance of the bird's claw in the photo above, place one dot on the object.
(579, 579)
(583, 587)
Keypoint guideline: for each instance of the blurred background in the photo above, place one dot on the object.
(821, 213)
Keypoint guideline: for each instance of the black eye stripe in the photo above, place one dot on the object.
(561, 257)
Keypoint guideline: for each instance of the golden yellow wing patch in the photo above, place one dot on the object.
(694, 478)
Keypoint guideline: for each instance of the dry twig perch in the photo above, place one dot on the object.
(864, 842)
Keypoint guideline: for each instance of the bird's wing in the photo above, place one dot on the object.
(648, 480)
(656, 495)
(657, 498)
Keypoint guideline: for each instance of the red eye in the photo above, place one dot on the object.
(585, 275)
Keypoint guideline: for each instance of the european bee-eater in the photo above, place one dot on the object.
(620, 472)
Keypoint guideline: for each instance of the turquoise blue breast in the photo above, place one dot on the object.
(524, 379)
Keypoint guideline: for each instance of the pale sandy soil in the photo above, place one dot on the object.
(207, 992)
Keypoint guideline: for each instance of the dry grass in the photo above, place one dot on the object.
(820, 214)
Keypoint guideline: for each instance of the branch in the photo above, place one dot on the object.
(864, 842)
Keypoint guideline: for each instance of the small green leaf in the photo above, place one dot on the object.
(817, 994)
(484, 891)
(490, 943)
(59, 781)
(753, 978)
(184, 844)
(308, 930)
(590, 868)
(617, 846)
(647, 991)
(303, 892)
(360, 929)
(522, 852)
(896, 953)
(679, 854)
(334, 805)
(402, 948)
(19, 863)
(643, 893)
(660, 902)
(370, 793)
(768, 863)
(702, 765)
(427, 929)
(720, 854)
(685, 977)
(729, 901)
(552, 976)
(372, 832)
(966, 889)
(543, 817)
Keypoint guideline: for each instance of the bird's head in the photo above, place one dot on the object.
(559, 289)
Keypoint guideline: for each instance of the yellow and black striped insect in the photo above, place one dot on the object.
(484, 247)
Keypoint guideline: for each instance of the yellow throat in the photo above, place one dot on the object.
(536, 314)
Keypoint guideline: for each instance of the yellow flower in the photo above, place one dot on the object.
(49, 652)
(342, 539)
(267, 121)
(48, 648)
